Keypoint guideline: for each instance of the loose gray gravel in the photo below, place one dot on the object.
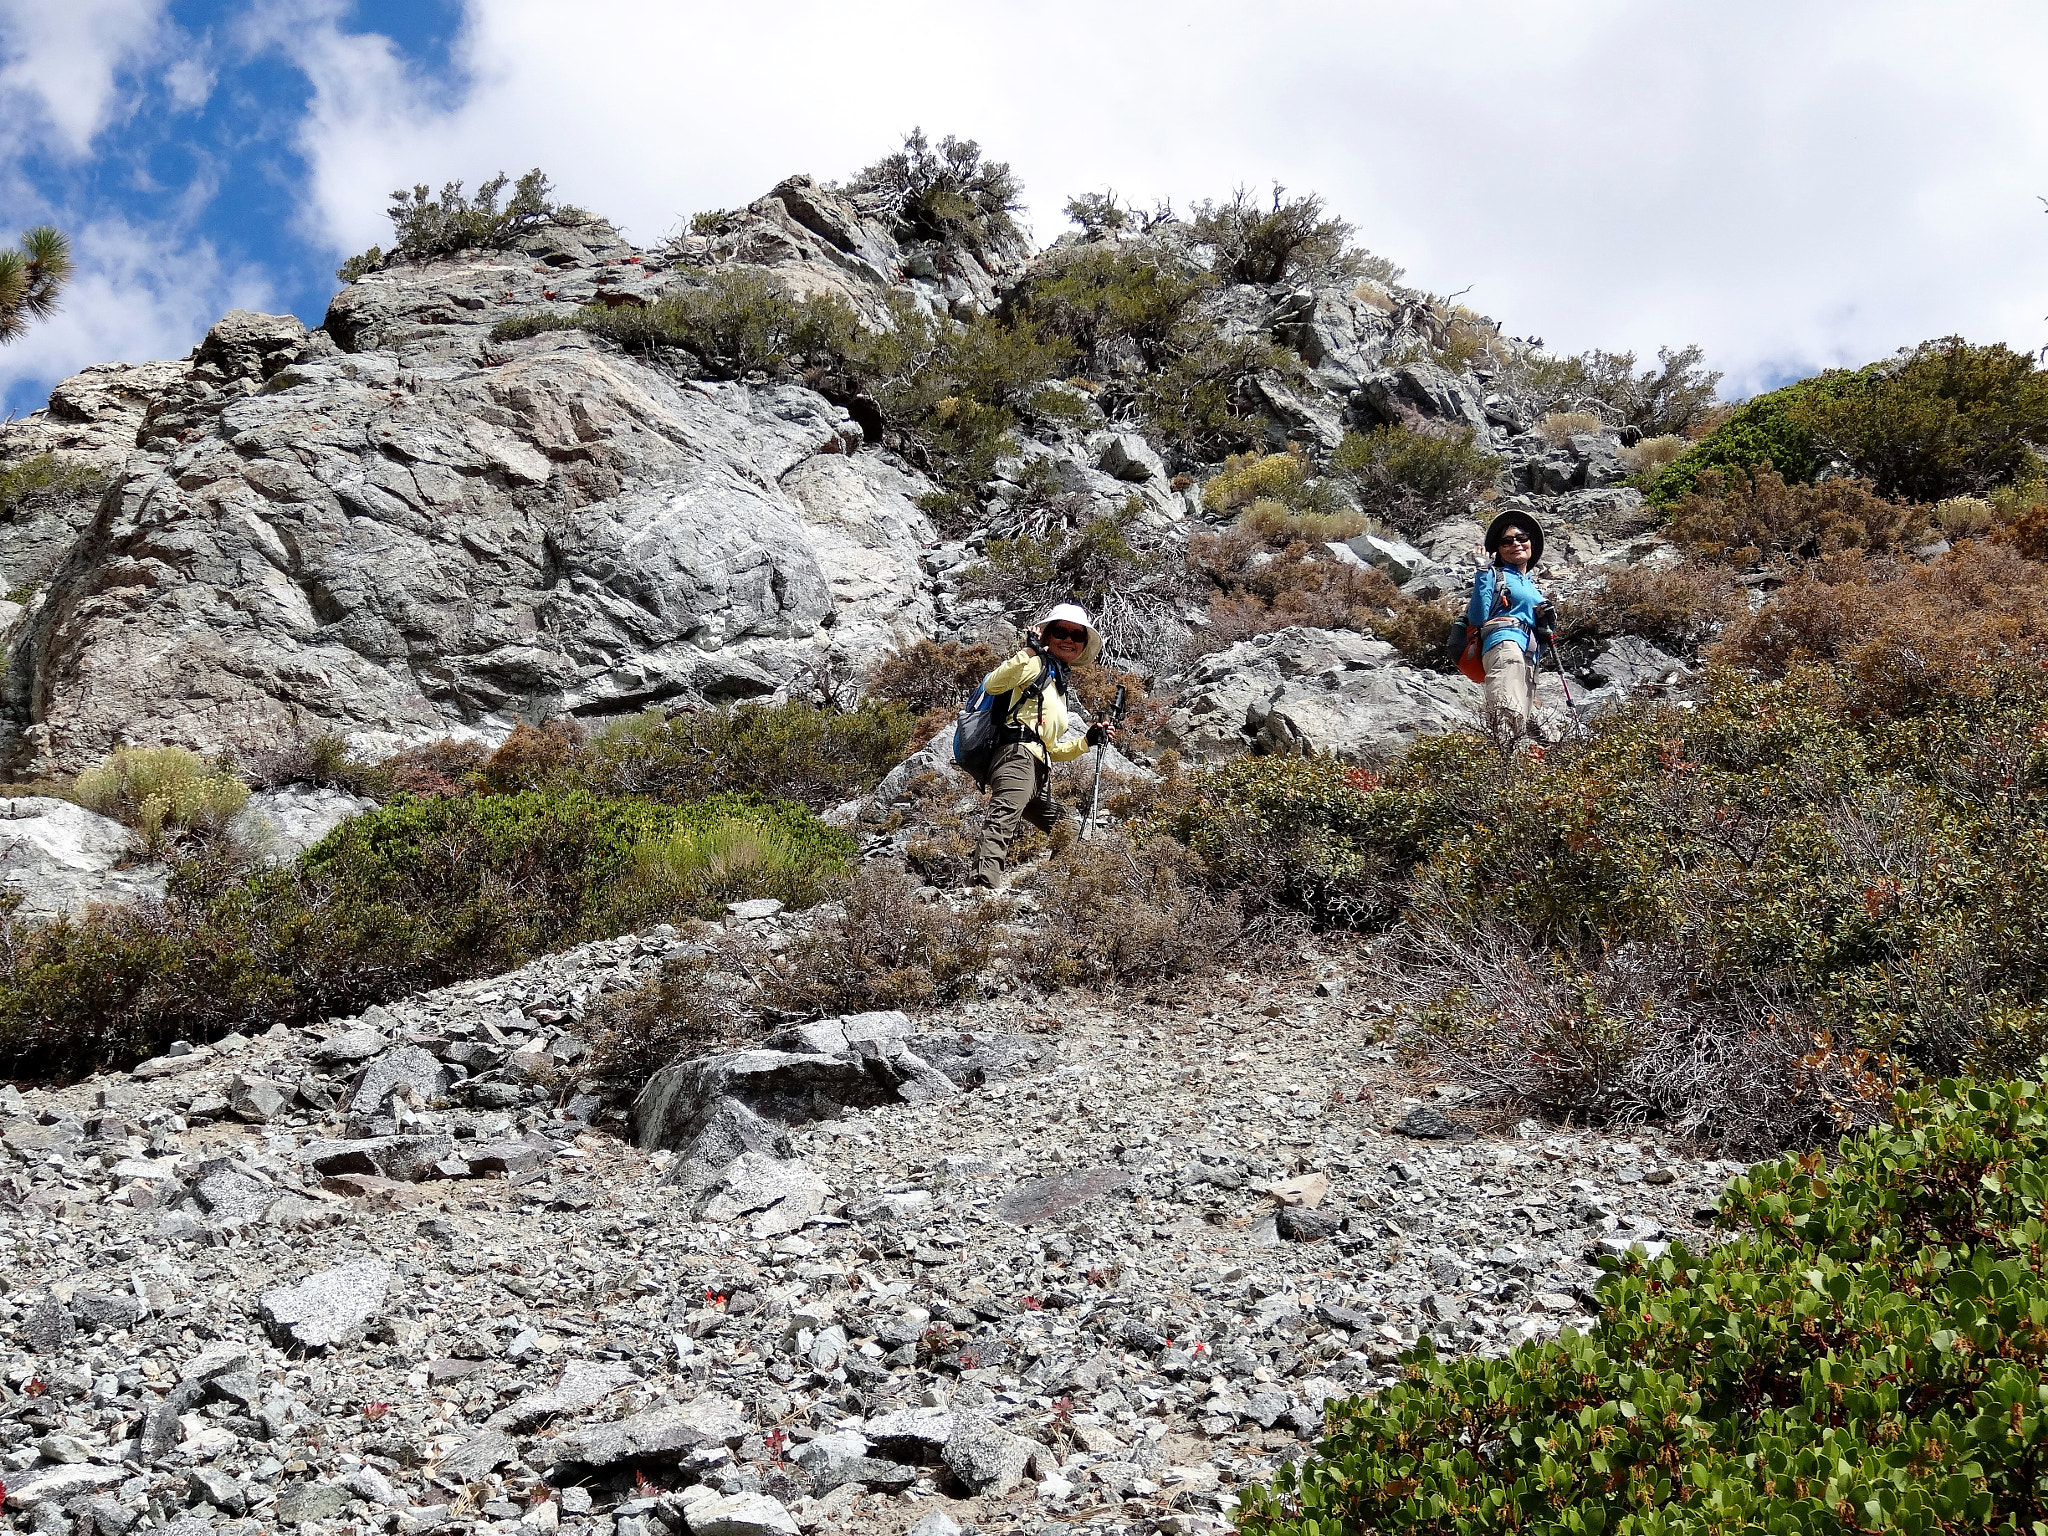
(1106, 1295)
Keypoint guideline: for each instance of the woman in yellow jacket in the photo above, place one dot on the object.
(1020, 777)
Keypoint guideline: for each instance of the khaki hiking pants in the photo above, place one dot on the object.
(1017, 786)
(1510, 687)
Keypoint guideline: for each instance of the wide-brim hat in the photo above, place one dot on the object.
(1074, 613)
(1513, 517)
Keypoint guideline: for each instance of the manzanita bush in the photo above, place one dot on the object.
(1870, 1353)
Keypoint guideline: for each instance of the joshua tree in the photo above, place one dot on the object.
(31, 278)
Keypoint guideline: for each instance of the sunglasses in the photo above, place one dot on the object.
(1514, 538)
(1067, 636)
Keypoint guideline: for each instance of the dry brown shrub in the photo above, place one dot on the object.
(1653, 455)
(1627, 1037)
(2029, 532)
(884, 949)
(686, 1010)
(1560, 427)
(931, 677)
(1968, 625)
(1715, 418)
(531, 755)
(1262, 591)
(1419, 631)
(1745, 518)
(1676, 608)
(1115, 912)
(437, 770)
(1095, 686)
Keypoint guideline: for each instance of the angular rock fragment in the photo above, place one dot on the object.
(403, 1067)
(739, 1514)
(478, 1456)
(658, 1434)
(255, 1099)
(231, 1195)
(911, 1434)
(59, 1485)
(407, 1159)
(329, 1307)
(985, 1457)
(583, 1384)
(778, 1196)
(349, 1047)
(1052, 1199)
(49, 1325)
(302, 1503)
(787, 1087)
(1426, 1123)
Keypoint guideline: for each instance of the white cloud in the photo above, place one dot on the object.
(63, 61)
(1792, 186)
(139, 295)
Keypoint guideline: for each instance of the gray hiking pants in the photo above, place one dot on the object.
(1016, 793)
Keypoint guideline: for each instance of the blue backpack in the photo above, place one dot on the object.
(979, 731)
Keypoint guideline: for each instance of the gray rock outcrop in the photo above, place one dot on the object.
(60, 858)
(394, 529)
(280, 824)
(1314, 692)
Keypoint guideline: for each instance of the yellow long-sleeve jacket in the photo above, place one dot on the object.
(1046, 716)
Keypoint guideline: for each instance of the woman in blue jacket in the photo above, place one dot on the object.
(1512, 617)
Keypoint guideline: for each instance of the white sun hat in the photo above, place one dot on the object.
(1074, 613)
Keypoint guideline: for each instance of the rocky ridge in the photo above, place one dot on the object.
(395, 529)
(386, 1273)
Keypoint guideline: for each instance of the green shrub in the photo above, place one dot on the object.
(1261, 245)
(1140, 293)
(160, 790)
(415, 895)
(700, 867)
(424, 226)
(794, 751)
(43, 478)
(947, 193)
(739, 320)
(1296, 833)
(1282, 498)
(1766, 430)
(1411, 478)
(1133, 314)
(1748, 516)
(1867, 1355)
(1941, 419)
(1203, 399)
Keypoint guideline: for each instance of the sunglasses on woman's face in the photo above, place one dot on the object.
(1067, 636)
(1514, 538)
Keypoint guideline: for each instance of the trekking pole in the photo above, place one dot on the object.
(1577, 724)
(1116, 714)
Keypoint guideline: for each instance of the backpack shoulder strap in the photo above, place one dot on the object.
(1032, 690)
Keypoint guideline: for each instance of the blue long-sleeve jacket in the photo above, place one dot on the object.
(1519, 596)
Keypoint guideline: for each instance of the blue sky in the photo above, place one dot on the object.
(1791, 186)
